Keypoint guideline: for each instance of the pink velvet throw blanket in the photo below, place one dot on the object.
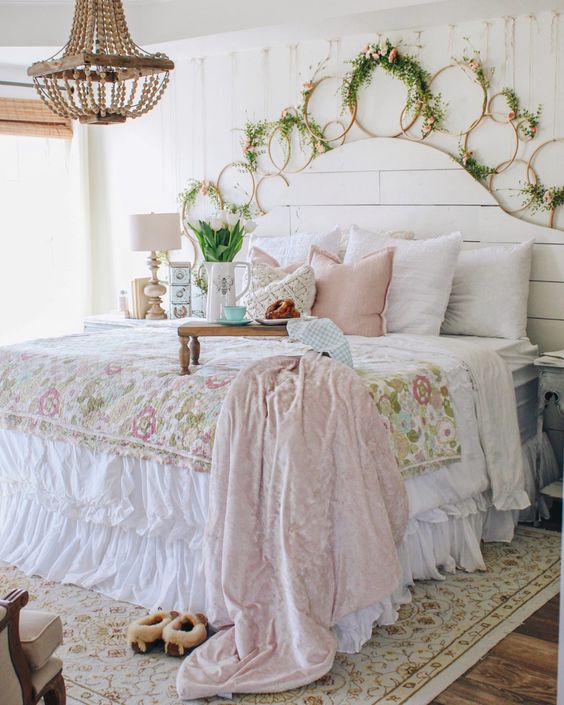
(307, 506)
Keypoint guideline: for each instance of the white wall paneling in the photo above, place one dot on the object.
(146, 163)
(430, 202)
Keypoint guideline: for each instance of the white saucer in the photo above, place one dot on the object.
(225, 322)
(273, 321)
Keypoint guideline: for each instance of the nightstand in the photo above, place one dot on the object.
(109, 321)
(551, 390)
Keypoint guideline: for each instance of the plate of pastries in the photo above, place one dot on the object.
(279, 313)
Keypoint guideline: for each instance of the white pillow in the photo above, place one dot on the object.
(268, 284)
(490, 292)
(291, 249)
(364, 239)
(421, 280)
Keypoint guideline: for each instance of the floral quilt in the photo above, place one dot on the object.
(120, 392)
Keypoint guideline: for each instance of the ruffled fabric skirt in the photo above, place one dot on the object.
(133, 530)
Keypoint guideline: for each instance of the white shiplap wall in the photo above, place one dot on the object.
(389, 183)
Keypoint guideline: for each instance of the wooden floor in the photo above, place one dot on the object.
(520, 670)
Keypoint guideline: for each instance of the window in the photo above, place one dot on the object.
(44, 283)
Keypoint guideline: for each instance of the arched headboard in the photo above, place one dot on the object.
(385, 183)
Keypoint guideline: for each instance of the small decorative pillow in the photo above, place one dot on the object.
(295, 248)
(421, 282)
(353, 296)
(258, 255)
(490, 292)
(268, 284)
(359, 242)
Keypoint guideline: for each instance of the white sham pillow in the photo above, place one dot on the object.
(268, 284)
(490, 292)
(293, 249)
(362, 240)
(421, 280)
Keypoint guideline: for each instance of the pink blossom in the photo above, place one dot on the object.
(422, 389)
(308, 86)
(426, 128)
(50, 403)
(533, 130)
(145, 423)
(248, 147)
(393, 55)
(366, 49)
(547, 198)
(204, 188)
(474, 65)
(320, 147)
(376, 55)
(430, 120)
(511, 115)
(368, 53)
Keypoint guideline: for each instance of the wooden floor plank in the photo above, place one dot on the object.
(529, 653)
(467, 692)
(520, 670)
(514, 679)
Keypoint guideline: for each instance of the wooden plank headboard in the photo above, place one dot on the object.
(385, 183)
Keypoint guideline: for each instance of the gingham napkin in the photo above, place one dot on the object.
(322, 335)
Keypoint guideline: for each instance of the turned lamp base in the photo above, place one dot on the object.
(154, 291)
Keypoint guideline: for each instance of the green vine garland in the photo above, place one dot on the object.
(543, 198)
(516, 112)
(196, 188)
(420, 99)
(257, 134)
(254, 142)
(475, 168)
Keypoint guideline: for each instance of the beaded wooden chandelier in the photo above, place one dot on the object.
(101, 76)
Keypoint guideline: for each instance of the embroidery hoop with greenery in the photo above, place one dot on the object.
(259, 135)
(422, 103)
(420, 99)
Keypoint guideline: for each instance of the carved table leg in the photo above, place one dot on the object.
(184, 356)
(195, 350)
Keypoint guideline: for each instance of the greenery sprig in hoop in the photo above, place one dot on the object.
(530, 121)
(198, 188)
(309, 131)
(420, 99)
(467, 159)
(543, 198)
(255, 141)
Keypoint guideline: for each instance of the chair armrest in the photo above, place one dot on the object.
(13, 603)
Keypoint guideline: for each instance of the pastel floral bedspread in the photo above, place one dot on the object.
(120, 392)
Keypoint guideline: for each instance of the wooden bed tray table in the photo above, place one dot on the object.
(190, 333)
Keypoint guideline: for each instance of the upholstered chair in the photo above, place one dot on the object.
(28, 639)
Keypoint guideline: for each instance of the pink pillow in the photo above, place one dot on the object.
(258, 255)
(354, 296)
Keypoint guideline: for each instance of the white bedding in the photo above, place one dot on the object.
(133, 529)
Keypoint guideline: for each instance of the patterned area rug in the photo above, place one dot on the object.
(445, 629)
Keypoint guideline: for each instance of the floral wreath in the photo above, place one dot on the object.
(257, 134)
(420, 99)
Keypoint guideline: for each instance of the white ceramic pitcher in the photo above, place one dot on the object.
(221, 287)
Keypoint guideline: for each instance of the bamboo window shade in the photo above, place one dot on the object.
(31, 118)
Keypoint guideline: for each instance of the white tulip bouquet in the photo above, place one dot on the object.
(221, 237)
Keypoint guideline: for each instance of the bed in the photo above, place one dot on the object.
(132, 526)
(91, 505)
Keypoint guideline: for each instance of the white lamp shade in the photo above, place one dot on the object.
(154, 231)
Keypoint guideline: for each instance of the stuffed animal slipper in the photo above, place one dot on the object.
(184, 633)
(145, 633)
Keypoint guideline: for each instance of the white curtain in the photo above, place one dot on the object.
(45, 282)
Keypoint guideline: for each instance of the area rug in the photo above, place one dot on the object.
(447, 628)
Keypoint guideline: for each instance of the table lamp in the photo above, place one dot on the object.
(150, 232)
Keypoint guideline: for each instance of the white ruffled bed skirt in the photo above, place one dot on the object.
(138, 537)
